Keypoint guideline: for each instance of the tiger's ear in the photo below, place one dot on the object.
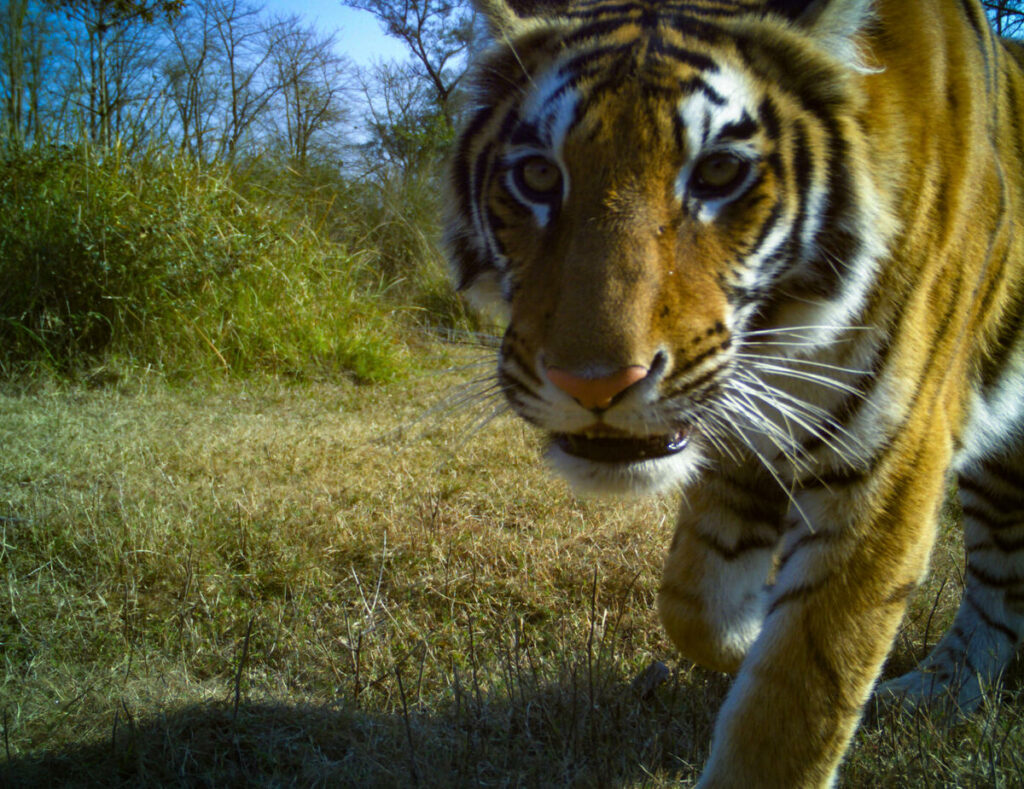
(504, 16)
(833, 23)
(500, 17)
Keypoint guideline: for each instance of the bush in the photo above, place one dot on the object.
(391, 217)
(162, 263)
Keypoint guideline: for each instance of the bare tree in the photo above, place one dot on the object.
(1007, 16)
(118, 50)
(246, 44)
(437, 32)
(311, 77)
(25, 47)
(407, 129)
(190, 82)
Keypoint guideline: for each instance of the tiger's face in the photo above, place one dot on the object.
(660, 218)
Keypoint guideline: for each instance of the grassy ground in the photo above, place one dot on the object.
(313, 584)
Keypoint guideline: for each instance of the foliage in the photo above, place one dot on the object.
(162, 263)
(391, 219)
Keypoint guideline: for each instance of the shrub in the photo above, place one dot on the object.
(163, 263)
(391, 217)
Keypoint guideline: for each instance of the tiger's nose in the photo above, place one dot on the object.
(596, 393)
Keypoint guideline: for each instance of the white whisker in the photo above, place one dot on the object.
(758, 358)
(742, 412)
(804, 375)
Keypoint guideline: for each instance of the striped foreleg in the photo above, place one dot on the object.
(831, 617)
(990, 621)
(713, 594)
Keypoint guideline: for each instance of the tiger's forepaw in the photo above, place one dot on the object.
(953, 694)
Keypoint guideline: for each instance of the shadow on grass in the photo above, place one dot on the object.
(587, 727)
(580, 732)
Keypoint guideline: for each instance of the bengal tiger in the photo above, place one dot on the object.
(772, 253)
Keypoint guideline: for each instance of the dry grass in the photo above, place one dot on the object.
(263, 584)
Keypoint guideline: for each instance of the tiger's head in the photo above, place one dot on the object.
(668, 200)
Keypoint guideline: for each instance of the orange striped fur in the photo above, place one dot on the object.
(770, 253)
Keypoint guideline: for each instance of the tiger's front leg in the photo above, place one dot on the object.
(844, 573)
(713, 592)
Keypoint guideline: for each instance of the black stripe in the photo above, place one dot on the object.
(788, 9)
(769, 117)
(678, 132)
(694, 387)
(998, 501)
(962, 658)
(743, 129)
(510, 350)
(461, 167)
(595, 30)
(692, 85)
(525, 133)
(794, 594)
(976, 19)
(847, 476)
(469, 262)
(629, 11)
(900, 593)
(824, 276)
(742, 546)
(993, 278)
(696, 360)
(853, 475)
(608, 26)
(993, 523)
(696, 60)
(762, 493)
(484, 161)
(1016, 113)
(1006, 544)
(754, 511)
(992, 624)
(1004, 474)
(838, 704)
(802, 169)
(850, 475)
(1013, 598)
(983, 33)
(802, 541)
(1011, 323)
(769, 225)
(594, 61)
(994, 581)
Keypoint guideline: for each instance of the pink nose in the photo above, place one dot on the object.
(596, 392)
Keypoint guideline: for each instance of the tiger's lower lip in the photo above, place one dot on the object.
(603, 449)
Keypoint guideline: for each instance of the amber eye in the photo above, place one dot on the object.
(717, 175)
(539, 179)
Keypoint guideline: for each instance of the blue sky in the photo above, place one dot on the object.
(357, 32)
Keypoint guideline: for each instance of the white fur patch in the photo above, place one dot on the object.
(643, 478)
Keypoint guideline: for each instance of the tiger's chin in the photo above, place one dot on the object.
(600, 465)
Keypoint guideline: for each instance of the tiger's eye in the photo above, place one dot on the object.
(539, 176)
(716, 174)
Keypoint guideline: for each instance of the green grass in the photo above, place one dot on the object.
(110, 265)
(249, 582)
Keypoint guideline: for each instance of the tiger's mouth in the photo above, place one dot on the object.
(615, 449)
